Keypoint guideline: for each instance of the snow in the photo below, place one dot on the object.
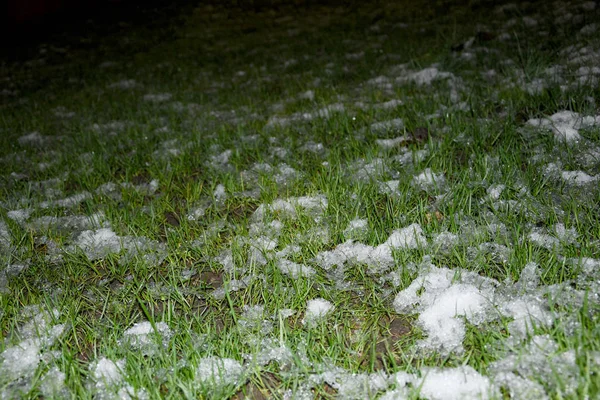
(308, 95)
(562, 236)
(353, 385)
(5, 241)
(108, 382)
(378, 258)
(410, 237)
(396, 124)
(98, 244)
(495, 191)
(312, 205)
(157, 97)
(273, 351)
(528, 364)
(19, 362)
(217, 373)
(21, 359)
(66, 223)
(429, 180)
(123, 84)
(33, 138)
(391, 143)
(325, 112)
(295, 270)
(356, 228)
(425, 76)
(19, 216)
(539, 360)
(316, 310)
(107, 372)
(219, 194)
(565, 125)
(527, 312)
(53, 384)
(141, 336)
(441, 303)
(102, 242)
(578, 177)
(68, 201)
(461, 383)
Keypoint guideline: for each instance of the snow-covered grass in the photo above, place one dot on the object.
(308, 202)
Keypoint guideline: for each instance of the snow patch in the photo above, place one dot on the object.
(218, 373)
(316, 311)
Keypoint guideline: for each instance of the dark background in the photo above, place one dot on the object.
(24, 24)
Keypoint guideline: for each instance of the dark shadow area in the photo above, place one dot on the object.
(75, 24)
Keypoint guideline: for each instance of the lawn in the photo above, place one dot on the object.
(377, 200)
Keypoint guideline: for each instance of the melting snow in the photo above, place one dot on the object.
(5, 241)
(565, 124)
(454, 384)
(217, 373)
(141, 336)
(391, 143)
(356, 228)
(102, 242)
(440, 301)
(425, 76)
(295, 270)
(386, 126)
(316, 310)
(68, 201)
(428, 180)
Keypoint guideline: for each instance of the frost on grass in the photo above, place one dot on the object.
(316, 311)
(215, 373)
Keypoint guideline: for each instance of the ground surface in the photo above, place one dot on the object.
(369, 201)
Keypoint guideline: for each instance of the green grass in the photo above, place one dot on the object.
(472, 129)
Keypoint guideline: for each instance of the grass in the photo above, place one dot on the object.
(205, 265)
